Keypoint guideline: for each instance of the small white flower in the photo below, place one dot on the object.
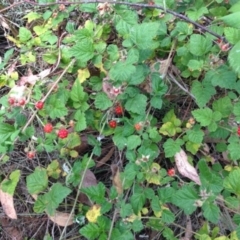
(100, 137)
(34, 138)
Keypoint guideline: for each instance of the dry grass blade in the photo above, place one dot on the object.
(185, 168)
(7, 203)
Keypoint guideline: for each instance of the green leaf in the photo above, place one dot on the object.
(122, 71)
(95, 193)
(223, 105)
(24, 34)
(91, 231)
(137, 104)
(185, 198)
(231, 182)
(222, 77)
(199, 45)
(9, 185)
(211, 211)
(51, 200)
(83, 50)
(167, 216)
(195, 134)
(32, 16)
(232, 20)
(137, 201)
(133, 142)
(234, 57)
(143, 34)
(77, 93)
(81, 123)
(210, 181)
(232, 35)
(55, 108)
(204, 116)
(102, 101)
(171, 147)
(37, 181)
(113, 53)
(233, 149)
(72, 141)
(139, 75)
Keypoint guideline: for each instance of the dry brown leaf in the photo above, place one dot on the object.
(88, 181)
(7, 204)
(117, 183)
(61, 219)
(105, 158)
(185, 168)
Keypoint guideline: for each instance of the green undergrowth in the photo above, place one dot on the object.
(160, 88)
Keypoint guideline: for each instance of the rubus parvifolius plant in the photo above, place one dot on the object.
(130, 115)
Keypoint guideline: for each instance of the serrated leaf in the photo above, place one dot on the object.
(54, 169)
(32, 16)
(51, 200)
(202, 92)
(37, 181)
(122, 71)
(185, 198)
(83, 74)
(91, 231)
(195, 135)
(81, 123)
(167, 216)
(204, 116)
(232, 35)
(211, 211)
(231, 182)
(9, 185)
(77, 93)
(234, 57)
(209, 179)
(222, 77)
(199, 45)
(137, 201)
(133, 142)
(83, 50)
(224, 106)
(233, 149)
(171, 147)
(55, 108)
(143, 34)
(102, 101)
(96, 193)
(24, 34)
(137, 104)
(232, 20)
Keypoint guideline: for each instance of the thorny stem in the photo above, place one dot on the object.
(141, 5)
(77, 195)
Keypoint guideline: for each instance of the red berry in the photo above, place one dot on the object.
(138, 126)
(21, 102)
(30, 155)
(48, 128)
(62, 133)
(238, 131)
(118, 110)
(171, 172)
(112, 124)
(39, 105)
(11, 101)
